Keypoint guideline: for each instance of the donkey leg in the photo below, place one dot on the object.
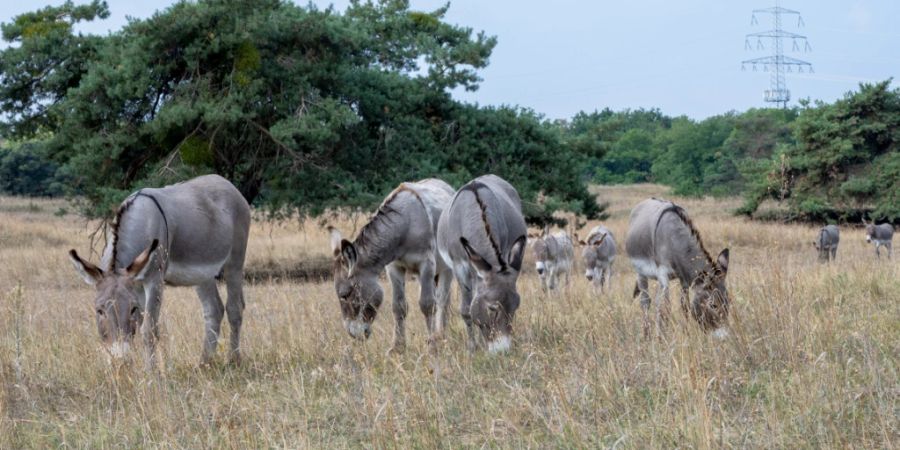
(150, 329)
(398, 291)
(234, 283)
(212, 316)
(444, 280)
(609, 274)
(643, 289)
(426, 296)
(684, 301)
(466, 283)
(662, 305)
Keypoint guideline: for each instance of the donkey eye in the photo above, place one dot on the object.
(101, 312)
(135, 310)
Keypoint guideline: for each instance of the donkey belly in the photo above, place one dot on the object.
(181, 273)
(651, 269)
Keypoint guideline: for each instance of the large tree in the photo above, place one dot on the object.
(304, 109)
(845, 163)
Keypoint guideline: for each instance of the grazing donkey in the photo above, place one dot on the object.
(185, 234)
(599, 252)
(400, 237)
(663, 244)
(827, 243)
(554, 255)
(482, 236)
(881, 235)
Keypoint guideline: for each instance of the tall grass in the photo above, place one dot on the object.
(812, 360)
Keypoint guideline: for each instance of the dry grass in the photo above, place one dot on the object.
(812, 360)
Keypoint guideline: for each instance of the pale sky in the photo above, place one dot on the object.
(683, 57)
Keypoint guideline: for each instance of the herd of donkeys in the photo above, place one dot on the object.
(195, 233)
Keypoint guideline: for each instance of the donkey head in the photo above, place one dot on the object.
(358, 290)
(870, 232)
(590, 253)
(541, 252)
(496, 299)
(822, 251)
(117, 306)
(710, 297)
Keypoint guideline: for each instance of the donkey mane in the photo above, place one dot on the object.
(473, 187)
(367, 236)
(679, 211)
(120, 212)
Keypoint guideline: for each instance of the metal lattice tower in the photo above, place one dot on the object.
(777, 64)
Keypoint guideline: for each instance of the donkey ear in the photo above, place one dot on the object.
(476, 259)
(722, 261)
(349, 253)
(91, 273)
(517, 253)
(602, 238)
(139, 267)
(336, 239)
(546, 230)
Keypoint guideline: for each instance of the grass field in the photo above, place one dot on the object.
(811, 362)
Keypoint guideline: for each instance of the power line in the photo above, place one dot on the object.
(777, 64)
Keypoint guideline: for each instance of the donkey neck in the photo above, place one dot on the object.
(694, 265)
(380, 244)
(136, 225)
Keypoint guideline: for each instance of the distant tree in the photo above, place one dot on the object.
(23, 171)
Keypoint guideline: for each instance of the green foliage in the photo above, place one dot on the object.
(303, 109)
(620, 146)
(705, 157)
(844, 164)
(24, 171)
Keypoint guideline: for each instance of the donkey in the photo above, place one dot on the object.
(827, 243)
(598, 252)
(185, 234)
(482, 236)
(399, 237)
(881, 235)
(662, 243)
(554, 255)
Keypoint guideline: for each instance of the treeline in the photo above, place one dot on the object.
(824, 162)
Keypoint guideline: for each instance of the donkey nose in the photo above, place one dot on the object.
(540, 271)
(359, 330)
(589, 277)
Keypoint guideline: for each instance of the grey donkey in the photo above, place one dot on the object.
(598, 252)
(185, 234)
(663, 244)
(554, 256)
(881, 235)
(399, 237)
(826, 243)
(482, 236)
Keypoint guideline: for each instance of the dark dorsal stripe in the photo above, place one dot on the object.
(681, 214)
(363, 239)
(473, 187)
(121, 212)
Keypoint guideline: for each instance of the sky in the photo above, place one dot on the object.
(683, 57)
